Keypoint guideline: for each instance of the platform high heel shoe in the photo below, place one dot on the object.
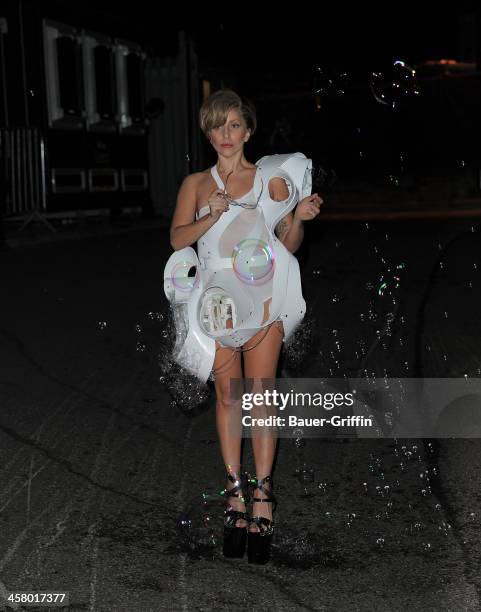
(259, 541)
(235, 538)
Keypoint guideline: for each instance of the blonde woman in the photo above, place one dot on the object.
(206, 202)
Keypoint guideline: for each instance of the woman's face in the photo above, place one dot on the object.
(229, 138)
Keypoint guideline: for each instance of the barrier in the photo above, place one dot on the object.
(23, 159)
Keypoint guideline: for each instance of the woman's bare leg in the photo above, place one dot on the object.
(227, 365)
(261, 362)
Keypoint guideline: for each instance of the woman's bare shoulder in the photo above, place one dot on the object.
(197, 178)
(191, 182)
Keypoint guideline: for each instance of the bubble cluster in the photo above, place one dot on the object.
(323, 178)
(200, 525)
(187, 391)
(299, 344)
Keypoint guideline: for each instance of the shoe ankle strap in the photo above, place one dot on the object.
(234, 477)
(239, 482)
(260, 482)
(266, 500)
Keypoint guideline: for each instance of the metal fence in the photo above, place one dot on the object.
(22, 152)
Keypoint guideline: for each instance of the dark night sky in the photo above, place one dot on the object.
(277, 48)
(362, 37)
(365, 38)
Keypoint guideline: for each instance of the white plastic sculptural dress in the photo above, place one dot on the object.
(242, 270)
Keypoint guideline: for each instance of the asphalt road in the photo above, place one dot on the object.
(103, 465)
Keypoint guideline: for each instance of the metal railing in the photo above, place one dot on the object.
(22, 155)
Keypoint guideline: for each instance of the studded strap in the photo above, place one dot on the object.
(231, 516)
(265, 526)
(240, 485)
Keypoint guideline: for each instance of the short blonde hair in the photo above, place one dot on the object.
(213, 112)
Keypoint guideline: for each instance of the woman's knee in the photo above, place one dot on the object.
(225, 402)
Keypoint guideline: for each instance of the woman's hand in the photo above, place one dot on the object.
(308, 208)
(217, 203)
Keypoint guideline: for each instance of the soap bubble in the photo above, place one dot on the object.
(398, 84)
(253, 261)
(327, 83)
(201, 524)
(185, 276)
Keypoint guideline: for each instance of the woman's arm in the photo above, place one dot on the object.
(289, 230)
(184, 231)
(293, 232)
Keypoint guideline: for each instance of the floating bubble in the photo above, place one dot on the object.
(390, 279)
(305, 475)
(328, 84)
(299, 443)
(185, 276)
(398, 84)
(394, 180)
(253, 261)
(200, 526)
(297, 433)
